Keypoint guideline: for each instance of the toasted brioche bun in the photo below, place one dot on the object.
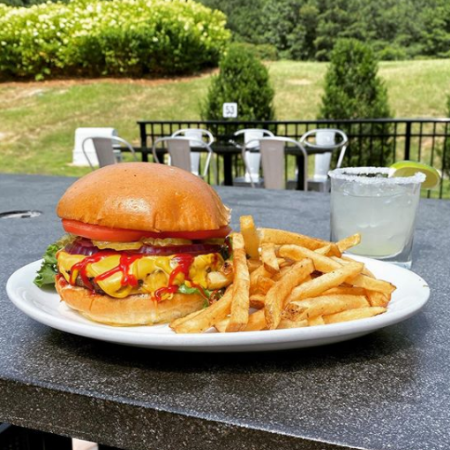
(146, 197)
(132, 310)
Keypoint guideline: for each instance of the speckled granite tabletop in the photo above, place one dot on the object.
(387, 390)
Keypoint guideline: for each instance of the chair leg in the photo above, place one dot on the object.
(23, 439)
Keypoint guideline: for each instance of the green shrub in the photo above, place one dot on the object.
(353, 90)
(115, 38)
(265, 52)
(391, 53)
(242, 79)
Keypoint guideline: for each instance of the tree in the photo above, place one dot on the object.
(337, 19)
(279, 22)
(435, 36)
(353, 90)
(243, 79)
(244, 18)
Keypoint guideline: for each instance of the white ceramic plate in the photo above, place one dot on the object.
(45, 307)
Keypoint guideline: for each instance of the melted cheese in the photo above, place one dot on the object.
(152, 272)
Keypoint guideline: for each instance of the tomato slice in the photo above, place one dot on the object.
(100, 233)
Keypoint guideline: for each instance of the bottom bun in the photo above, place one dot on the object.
(137, 309)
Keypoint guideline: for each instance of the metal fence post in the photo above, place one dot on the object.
(408, 140)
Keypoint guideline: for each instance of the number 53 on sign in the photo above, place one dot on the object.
(230, 110)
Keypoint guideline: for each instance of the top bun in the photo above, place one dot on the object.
(144, 196)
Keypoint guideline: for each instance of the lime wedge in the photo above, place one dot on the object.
(410, 168)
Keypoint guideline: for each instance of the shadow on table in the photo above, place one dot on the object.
(384, 344)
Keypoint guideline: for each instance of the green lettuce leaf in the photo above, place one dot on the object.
(183, 289)
(211, 295)
(46, 274)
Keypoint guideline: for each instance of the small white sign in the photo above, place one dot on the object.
(230, 110)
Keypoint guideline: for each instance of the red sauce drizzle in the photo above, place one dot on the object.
(184, 262)
(82, 268)
(124, 267)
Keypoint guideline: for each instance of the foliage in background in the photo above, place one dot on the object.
(244, 18)
(308, 29)
(353, 90)
(117, 37)
(242, 79)
(265, 52)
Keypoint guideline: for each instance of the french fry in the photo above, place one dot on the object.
(217, 280)
(280, 291)
(348, 242)
(324, 250)
(221, 325)
(269, 258)
(200, 321)
(377, 298)
(328, 264)
(253, 265)
(316, 321)
(250, 235)
(287, 323)
(261, 285)
(257, 301)
(177, 322)
(346, 290)
(284, 262)
(373, 284)
(278, 276)
(334, 250)
(292, 281)
(241, 286)
(256, 321)
(354, 314)
(280, 237)
(319, 285)
(345, 260)
(254, 277)
(297, 253)
(324, 305)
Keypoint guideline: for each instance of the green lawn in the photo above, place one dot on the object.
(38, 120)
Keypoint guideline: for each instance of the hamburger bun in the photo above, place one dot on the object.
(146, 197)
(130, 311)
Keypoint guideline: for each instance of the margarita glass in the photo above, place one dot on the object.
(383, 210)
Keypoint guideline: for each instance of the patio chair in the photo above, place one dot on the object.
(105, 150)
(251, 141)
(272, 157)
(325, 140)
(195, 135)
(179, 149)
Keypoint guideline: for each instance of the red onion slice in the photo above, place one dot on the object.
(192, 249)
(82, 248)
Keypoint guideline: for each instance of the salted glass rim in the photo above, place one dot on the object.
(351, 174)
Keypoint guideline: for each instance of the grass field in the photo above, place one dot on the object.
(38, 120)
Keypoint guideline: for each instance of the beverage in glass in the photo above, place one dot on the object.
(383, 210)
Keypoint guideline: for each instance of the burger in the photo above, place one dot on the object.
(145, 244)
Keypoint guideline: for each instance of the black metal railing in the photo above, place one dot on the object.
(371, 141)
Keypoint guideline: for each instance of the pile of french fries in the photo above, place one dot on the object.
(288, 280)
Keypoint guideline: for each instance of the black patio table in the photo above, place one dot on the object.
(387, 390)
